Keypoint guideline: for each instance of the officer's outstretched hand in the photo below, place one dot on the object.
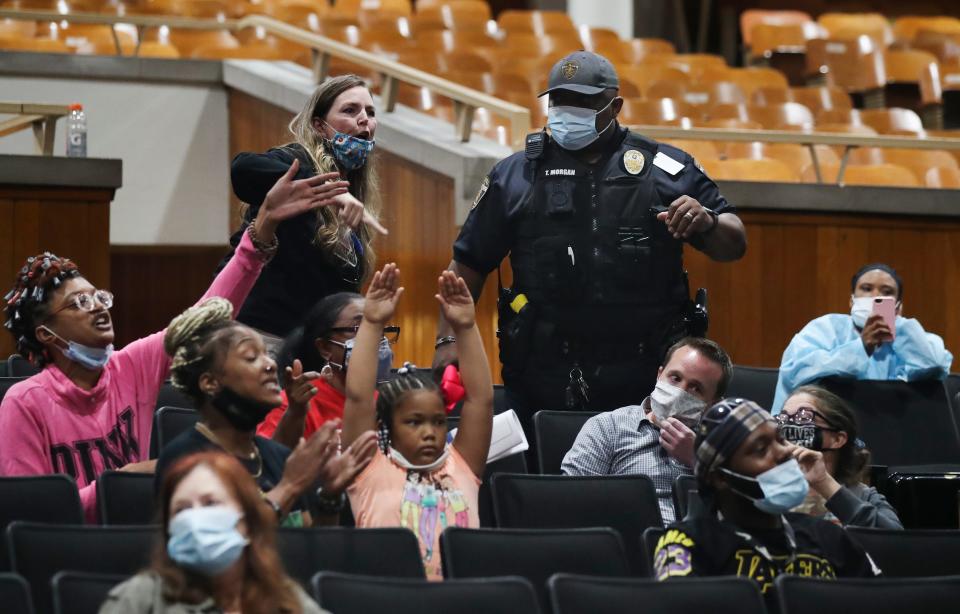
(382, 295)
(686, 217)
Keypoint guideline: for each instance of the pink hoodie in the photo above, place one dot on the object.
(50, 425)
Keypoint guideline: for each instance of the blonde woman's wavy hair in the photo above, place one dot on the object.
(364, 185)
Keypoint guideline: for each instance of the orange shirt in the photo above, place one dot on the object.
(386, 495)
(327, 404)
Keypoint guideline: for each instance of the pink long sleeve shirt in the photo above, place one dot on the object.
(48, 424)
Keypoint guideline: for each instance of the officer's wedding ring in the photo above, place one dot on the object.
(688, 215)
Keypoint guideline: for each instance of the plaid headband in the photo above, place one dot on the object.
(722, 429)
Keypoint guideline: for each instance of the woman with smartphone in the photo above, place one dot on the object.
(872, 342)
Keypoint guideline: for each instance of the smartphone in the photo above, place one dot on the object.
(886, 306)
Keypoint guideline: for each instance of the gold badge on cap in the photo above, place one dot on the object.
(569, 69)
(633, 161)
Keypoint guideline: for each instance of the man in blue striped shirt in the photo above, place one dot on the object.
(655, 438)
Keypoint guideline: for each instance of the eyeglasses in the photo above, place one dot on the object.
(802, 417)
(86, 301)
(390, 333)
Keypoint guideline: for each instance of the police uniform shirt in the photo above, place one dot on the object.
(708, 546)
(487, 235)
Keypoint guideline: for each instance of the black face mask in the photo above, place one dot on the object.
(242, 413)
(808, 436)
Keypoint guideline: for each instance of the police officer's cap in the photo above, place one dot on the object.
(582, 72)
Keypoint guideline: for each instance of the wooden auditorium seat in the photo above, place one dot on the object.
(907, 28)
(920, 161)
(723, 123)
(913, 81)
(157, 49)
(818, 98)
(856, 66)
(354, 7)
(599, 38)
(644, 77)
(36, 45)
(470, 16)
(893, 121)
(641, 48)
(749, 79)
(783, 116)
(536, 22)
(661, 112)
(795, 156)
(940, 177)
(714, 92)
(851, 25)
(701, 150)
(751, 18)
(867, 174)
(739, 169)
(245, 52)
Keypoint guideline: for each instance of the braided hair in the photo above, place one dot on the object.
(391, 392)
(26, 304)
(301, 343)
(193, 343)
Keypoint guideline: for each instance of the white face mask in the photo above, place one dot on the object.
(861, 310)
(667, 400)
(401, 460)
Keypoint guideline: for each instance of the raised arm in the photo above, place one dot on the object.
(447, 352)
(359, 410)
(286, 199)
(476, 419)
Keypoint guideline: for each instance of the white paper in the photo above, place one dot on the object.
(667, 163)
(506, 438)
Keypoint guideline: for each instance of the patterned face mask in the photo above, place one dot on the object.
(350, 151)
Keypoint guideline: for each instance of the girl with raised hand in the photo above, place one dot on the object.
(225, 368)
(217, 549)
(91, 409)
(418, 481)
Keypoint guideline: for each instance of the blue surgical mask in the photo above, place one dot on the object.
(350, 151)
(205, 539)
(574, 128)
(384, 357)
(784, 487)
(84, 355)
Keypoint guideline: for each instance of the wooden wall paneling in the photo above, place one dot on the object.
(155, 283)
(798, 267)
(255, 125)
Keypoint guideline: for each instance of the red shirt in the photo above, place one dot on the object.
(327, 404)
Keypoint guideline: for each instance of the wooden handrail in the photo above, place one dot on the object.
(465, 99)
(41, 117)
(809, 139)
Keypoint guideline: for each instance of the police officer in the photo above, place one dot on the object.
(594, 218)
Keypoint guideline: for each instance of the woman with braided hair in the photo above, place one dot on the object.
(418, 481)
(90, 408)
(225, 368)
(330, 250)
